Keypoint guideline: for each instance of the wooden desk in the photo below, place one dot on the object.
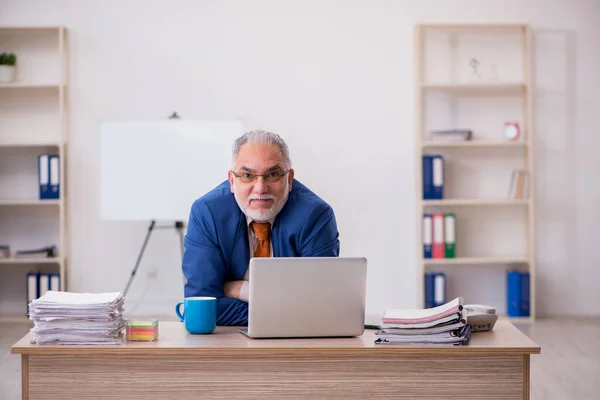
(228, 365)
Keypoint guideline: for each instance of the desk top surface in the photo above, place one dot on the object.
(173, 339)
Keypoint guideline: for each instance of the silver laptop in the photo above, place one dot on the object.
(306, 297)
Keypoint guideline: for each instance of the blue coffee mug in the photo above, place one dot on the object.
(199, 314)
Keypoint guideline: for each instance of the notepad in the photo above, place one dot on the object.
(142, 330)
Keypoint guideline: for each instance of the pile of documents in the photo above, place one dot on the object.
(442, 325)
(77, 318)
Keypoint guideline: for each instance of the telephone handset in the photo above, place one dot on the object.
(481, 317)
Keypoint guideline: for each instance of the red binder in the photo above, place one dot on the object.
(438, 236)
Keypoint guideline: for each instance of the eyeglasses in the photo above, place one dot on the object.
(271, 177)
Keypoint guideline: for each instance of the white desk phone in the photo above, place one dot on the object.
(480, 317)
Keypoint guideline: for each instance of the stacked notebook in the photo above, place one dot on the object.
(77, 318)
(442, 325)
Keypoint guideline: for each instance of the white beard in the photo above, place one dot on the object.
(264, 214)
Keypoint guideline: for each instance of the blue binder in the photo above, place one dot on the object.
(513, 293)
(427, 177)
(438, 176)
(525, 306)
(429, 288)
(44, 176)
(427, 235)
(54, 166)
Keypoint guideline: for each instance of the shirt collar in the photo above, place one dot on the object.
(248, 220)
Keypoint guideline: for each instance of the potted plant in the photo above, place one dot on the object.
(7, 67)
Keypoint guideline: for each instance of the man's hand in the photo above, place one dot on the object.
(232, 289)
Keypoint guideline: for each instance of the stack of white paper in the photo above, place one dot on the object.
(77, 318)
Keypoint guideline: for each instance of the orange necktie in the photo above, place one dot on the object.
(263, 234)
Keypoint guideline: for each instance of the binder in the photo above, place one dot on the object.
(44, 175)
(429, 289)
(32, 289)
(33, 284)
(438, 236)
(427, 235)
(438, 176)
(55, 282)
(439, 294)
(513, 293)
(450, 235)
(54, 177)
(44, 284)
(525, 306)
(427, 177)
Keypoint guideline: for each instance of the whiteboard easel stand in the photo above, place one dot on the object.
(179, 225)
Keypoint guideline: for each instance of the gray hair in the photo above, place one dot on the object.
(263, 137)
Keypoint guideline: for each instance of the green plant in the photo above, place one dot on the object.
(8, 59)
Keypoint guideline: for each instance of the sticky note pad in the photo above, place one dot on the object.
(142, 330)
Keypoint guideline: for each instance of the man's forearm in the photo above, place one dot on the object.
(237, 290)
(245, 292)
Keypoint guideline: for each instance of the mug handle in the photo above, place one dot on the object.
(178, 312)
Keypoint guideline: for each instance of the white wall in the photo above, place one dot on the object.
(335, 80)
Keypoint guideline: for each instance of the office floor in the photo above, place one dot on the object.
(568, 368)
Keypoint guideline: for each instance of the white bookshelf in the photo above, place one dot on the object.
(17, 85)
(490, 88)
(494, 233)
(473, 143)
(475, 202)
(476, 261)
(30, 261)
(33, 121)
(36, 203)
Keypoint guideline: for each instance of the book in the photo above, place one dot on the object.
(459, 336)
(4, 251)
(452, 134)
(443, 325)
(414, 316)
(427, 330)
(44, 252)
(519, 184)
(450, 319)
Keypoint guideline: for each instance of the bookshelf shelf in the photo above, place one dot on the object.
(475, 202)
(34, 202)
(473, 143)
(31, 261)
(25, 28)
(475, 87)
(30, 85)
(34, 120)
(477, 78)
(475, 261)
(17, 145)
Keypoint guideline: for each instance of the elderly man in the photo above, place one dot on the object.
(260, 211)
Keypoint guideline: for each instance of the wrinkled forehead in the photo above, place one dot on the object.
(259, 157)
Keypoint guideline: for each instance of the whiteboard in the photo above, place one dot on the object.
(154, 170)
